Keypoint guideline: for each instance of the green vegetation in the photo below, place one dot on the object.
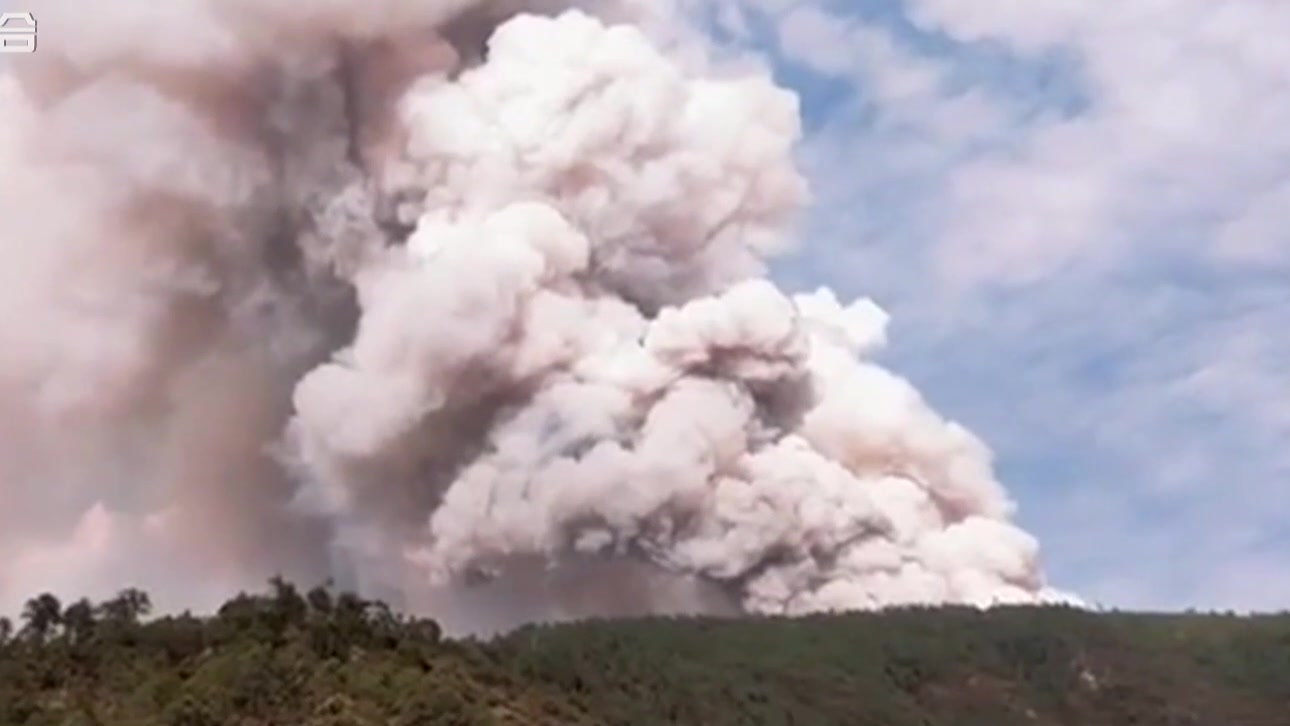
(287, 658)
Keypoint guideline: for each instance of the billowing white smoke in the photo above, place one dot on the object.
(541, 269)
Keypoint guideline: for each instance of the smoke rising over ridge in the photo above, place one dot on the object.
(423, 295)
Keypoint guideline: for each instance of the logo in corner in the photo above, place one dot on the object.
(17, 33)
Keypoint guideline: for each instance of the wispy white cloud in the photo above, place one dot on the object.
(1080, 217)
(1190, 102)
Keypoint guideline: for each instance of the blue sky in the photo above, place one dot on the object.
(1079, 216)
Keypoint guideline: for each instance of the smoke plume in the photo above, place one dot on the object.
(458, 302)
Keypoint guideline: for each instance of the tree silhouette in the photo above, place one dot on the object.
(127, 608)
(289, 607)
(320, 600)
(78, 621)
(42, 614)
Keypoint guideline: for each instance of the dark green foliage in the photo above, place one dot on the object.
(322, 658)
(921, 667)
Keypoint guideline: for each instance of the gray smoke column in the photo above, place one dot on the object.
(462, 303)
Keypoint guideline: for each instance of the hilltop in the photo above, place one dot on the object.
(321, 658)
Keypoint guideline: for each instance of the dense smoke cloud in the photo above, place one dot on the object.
(461, 303)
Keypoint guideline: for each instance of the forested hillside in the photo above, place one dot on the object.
(318, 658)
